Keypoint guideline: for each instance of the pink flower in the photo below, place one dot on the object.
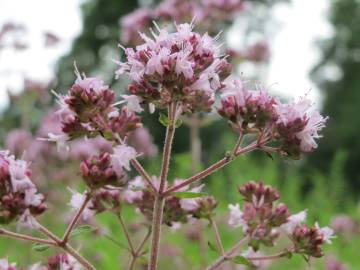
(61, 141)
(26, 220)
(19, 175)
(122, 156)
(89, 84)
(134, 192)
(191, 204)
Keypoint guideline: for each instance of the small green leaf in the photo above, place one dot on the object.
(121, 245)
(40, 247)
(108, 135)
(241, 260)
(288, 255)
(82, 229)
(143, 260)
(212, 247)
(178, 123)
(164, 120)
(189, 195)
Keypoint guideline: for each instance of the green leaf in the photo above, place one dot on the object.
(178, 123)
(143, 260)
(115, 242)
(164, 120)
(108, 135)
(82, 229)
(213, 247)
(189, 195)
(241, 260)
(40, 247)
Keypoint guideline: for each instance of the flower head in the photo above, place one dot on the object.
(184, 64)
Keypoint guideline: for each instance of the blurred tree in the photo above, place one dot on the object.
(338, 75)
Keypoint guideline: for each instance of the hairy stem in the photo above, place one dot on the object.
(66, 247)
(126, 232)
(195, 142)
(138, 251)
(159, 198)
(269, 257)
(217, 235)
(24, 237)
(74, 221)
(213, 168)
(227, 255)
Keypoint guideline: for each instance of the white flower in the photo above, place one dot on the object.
(77, 200)
(26, 220)
(133, 103)
(60, 140)
(18, 174)
(32, 198)
(294, 221)
(235, 218)
(191, 204)
(121, 158)
(5, 265)
(327, 233)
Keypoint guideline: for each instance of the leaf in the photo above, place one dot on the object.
(115, 242)
(143, 260)
(213, 247)
(189, 195)
(82, 229)
(241, 260)
(164, 120)
(178, 123)
(40, 247)
(108, 134)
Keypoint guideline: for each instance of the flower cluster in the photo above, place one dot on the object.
(5, 265)
(62, 261)
(260, 216)
(19, 198)
(176, 210)
(262, 221)
(97, 171)
(182, 67)
(88, 110)
(294, 125)
(101, 200)
(205, 11)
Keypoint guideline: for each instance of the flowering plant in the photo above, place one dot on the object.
(178, 73)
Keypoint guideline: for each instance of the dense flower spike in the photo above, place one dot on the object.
(260, 215)
(293, 125)
(185, 65)
(309, 241)
(18, 194)
(247, 109)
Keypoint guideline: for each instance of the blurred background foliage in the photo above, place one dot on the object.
(327, 182)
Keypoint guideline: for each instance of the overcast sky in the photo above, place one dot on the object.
(293, 50)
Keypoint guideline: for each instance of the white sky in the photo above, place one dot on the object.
(293, 49)
(61, 17)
